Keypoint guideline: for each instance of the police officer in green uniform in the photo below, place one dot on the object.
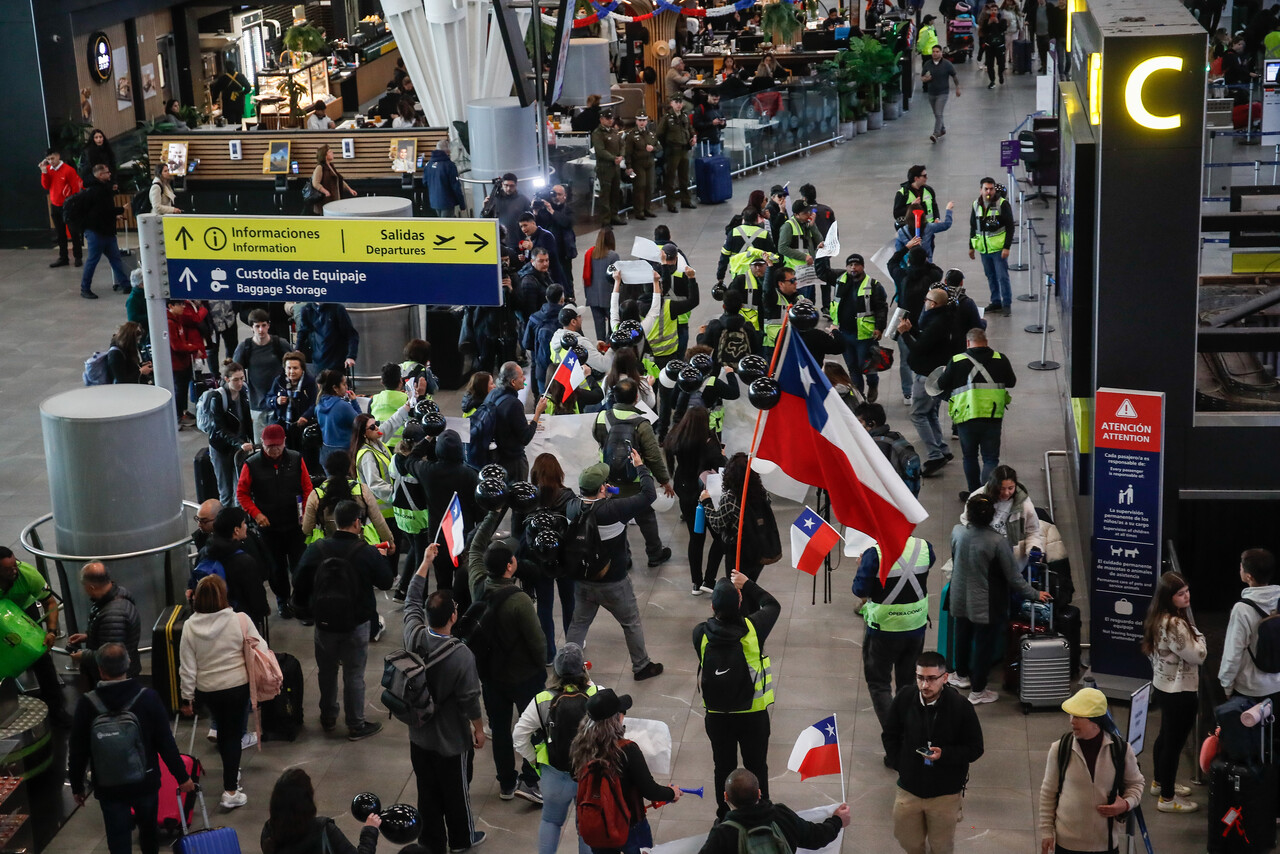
(641, 144)
(736, 697)
(607, 144)
(896, 612)
(24, 586)
(991, 226)
(860, 310)
(978, 380)
(675, 130)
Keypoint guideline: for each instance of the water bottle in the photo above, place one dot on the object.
(700, 519)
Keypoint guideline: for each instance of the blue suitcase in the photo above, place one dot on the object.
(211, 840)
(714, 177)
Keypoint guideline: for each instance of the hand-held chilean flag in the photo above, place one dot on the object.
(817, 750)
(569, 375)
(813, 437)
(452, 526)
(812, 539)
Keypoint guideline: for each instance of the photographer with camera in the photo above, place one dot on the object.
(552, 211)
(505, 204)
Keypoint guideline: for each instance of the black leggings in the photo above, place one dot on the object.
(995, 56)
(227, 708)
(1177, 719)
(689, 509)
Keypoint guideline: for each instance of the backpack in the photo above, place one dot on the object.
(604, 819)
(204, 410)
(724, 676)
(733, 344)
(583, 558)
(483, 423)
(1118, 746)
(115, 744)
(141, 202)
(477, 628)
(902, 454)
(404, 681)
(564, 718)
(617, 447)
(266, 679)
(762, 839)
(335, 593)
(97, 370)
(1267, 658)
(75, 207)
(207, 566)
(760, 540)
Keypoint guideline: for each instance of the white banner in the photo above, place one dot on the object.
(693, 844)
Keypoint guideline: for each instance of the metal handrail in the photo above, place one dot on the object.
(24, 538)
(1048, 480)
(377, 308)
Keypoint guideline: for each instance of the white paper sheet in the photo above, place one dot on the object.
(635, 272)
(831, 243)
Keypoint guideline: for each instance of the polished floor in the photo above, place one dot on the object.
(816, 648)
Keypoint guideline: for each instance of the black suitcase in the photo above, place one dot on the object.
(1022, 56)
(166, 638)
(1066, 622)
(444, 325)
(282, 716)
(206, 482)
(1242, 807)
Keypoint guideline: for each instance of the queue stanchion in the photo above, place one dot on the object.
(1017, 238)
(1030, 295)
(1043, 326)
(1043, 364)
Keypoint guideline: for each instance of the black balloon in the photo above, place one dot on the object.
(364, 805)
(752, 368)
(718, 291)
(673, 369)
(764, 393)
(704, 363)
(546, 544)
(690, 380)
(568, 340)
(311, 436)
(433, 424)
(400, 824)
(581, 353)
(491, 495)
(426, 406)
(493, 471)
(804, 315)
(523, 496)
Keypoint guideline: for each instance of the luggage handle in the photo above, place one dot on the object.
(195, 721)
(1048, 605)
(182, 810)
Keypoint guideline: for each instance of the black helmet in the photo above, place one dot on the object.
(581, 353)
(752, 368)
(312, 437)
(804, 315)
(426, 406)
(523, 496)
(764, 393)
(401, 824)
(364, 805)
(433, 424)
(491, 495)
(718, 291)
(671, 373)
(690, 380)
(704, 363)
(546, 545)
(568, 340)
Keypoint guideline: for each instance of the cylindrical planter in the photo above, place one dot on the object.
(860, 126)
(848, 130)
(875, 119)
(893, 108)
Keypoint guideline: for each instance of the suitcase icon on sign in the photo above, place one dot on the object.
(218, 280)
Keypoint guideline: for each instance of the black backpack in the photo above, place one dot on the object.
(903, 455)
(583, 557)
(734, 343)
(724, 676)
(478, 628)
(76, 207)
(483, 423)
(336, 592)
(617, 447)
(1267, 656)
(116, 745)
(141, 203)
(564, 718)
(761, 543)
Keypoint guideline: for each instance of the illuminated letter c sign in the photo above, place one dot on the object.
(1133, 93)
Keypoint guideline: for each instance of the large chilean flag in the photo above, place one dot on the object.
(813, 437)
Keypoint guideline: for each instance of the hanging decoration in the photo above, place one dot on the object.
(606, 10)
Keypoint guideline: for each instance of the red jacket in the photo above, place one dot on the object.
(61, 183)
(185, 338)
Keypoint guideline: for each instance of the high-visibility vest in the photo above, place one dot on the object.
(369, 532)
(382, 406)
(986, 240)
(867, 317)
(758, 666)
(544, 699)
(981, 397)
(925, 198)
(797, 231)
(384, 469)
(663, 338)
(740, 260)
(773, 326)
(412, 519)
(906, 607)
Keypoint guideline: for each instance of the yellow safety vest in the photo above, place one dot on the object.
(892, 615)
(384, 468)
(987, 242)
(663, 338)
(544, 699)
(382, 406)
(867, 318)
(981, 397)
(740, 260)
(796, 231)
(761, 676)
(369, 532)
(773, 326)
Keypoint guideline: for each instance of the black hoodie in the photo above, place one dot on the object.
(757, 605)
(310, 841)
(245, 592)
(799, 833)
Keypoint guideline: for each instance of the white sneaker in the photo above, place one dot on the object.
(249, 739)
(706, 589)
(1179, 790)
(987, 696)
(231, 800)
(213, 734)
(906, 401)
(382, 627)
(1177, 804)
(955, 680)
(697, 591)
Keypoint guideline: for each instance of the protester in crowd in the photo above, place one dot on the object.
(439, 468)
(318, 512)
(723, 519)
(595, 279)
(750, 809)
(696, 451)
(548, 476)
(294, 827)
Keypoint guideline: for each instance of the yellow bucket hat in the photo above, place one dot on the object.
(1086, 703)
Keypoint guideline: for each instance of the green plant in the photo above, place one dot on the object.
(779, 23)
(303, 38)
(865, 66)
(840, 74)
(295, 91)
(190, 115)
(72, 137)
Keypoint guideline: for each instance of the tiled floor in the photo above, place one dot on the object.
(816, 649)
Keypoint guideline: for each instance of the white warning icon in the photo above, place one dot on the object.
(1126, 410)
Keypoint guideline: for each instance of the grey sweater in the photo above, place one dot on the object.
(453, 681)
(983, 574)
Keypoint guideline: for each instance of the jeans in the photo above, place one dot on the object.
(224, 471)
(939, 104)
(924, 415)
(997, 269)
(1177, 719)
(975, 650)
(979, 434)
(559, 792)
(119, 821)
(619, 599)
(904, 370)
(227, 708)
(499, 699)
(856, 353)
(99, 245)
(885, 655)
(182, 388)
(444, 801)
(60, 229)
(545, 591)
(351, 651)
(920, 820)
(730, 734)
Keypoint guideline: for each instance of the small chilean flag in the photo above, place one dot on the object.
(452, 526)
(817, 751)
(812, 539)
(569, 375)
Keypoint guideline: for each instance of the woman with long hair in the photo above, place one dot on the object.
(213, 674)
(723, 520)
(294, 828)
(336, 411)
(371, 464)
(317, 517)
(478, 388)
(547, 475)
(1015, 514)
(328, 181)
(162, 195)
(96, 150)
(1176, 649)
(596, 279)
(232, 430)
(695, 449)
(600, 741)
(124, 358)
(626, 363)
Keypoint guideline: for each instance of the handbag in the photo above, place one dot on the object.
(266, 680)
(310, 194)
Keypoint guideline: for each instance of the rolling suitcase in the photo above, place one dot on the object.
(714, 177)
(1066, 622)
(206, 482)
(1242, 800)
(170, 815)
(211, 840)
(947, 629)
(1022, 56)
(282, 716)
(1044, 668)
(166, 636)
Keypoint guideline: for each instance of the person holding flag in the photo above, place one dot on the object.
(749, 809)
(930, 737)
(736, 679)
(437, 465)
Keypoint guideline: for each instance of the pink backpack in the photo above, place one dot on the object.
(265, 678)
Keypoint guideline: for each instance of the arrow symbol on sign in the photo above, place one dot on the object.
(479, 242)
(185, 237)
(187, 278)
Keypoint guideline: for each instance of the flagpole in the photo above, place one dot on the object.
(751, 451)
(440, 527)
(836, 721)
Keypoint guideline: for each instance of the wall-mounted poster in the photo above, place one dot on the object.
(404, 153)
(124, 89)
(150, 86)
(277, 159)
(176, 157)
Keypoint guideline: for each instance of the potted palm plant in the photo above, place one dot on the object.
(779, 23)
(876, 66)
(841, 74)
(302, 41)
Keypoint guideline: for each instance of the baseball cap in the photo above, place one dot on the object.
(592, 478)
(800, 206)
(570, 662)
(606, 703)
(413, 432)
(670, 250)
(1086, 703)
(855, 258)
(273, 434)
(568, 312)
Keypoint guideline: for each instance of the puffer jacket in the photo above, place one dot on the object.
(114, 619)
(1180, 650)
